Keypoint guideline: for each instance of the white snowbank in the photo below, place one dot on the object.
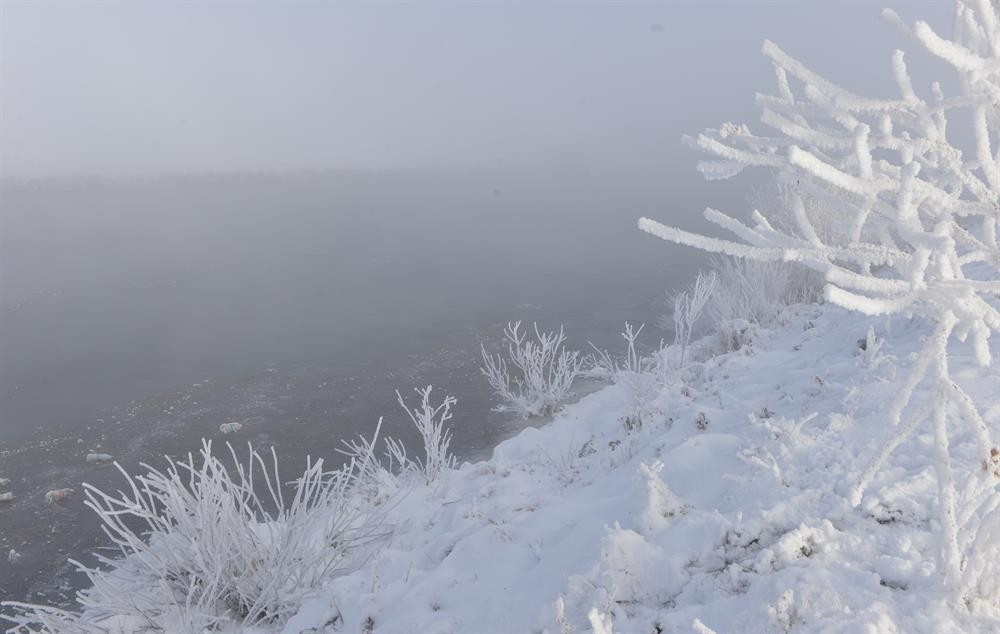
(743, 526)
(725, 511)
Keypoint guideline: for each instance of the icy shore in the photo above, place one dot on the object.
(728, 507)
(725, 511)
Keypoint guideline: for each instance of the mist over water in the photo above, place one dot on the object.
(122, 289)
(139, 315)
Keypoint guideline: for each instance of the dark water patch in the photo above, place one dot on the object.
(300, 409)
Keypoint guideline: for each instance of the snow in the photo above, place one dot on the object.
(743, 527)
(728, 509)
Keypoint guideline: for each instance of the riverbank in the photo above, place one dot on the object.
(725, 511)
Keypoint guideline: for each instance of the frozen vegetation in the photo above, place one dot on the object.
(543, 371)
(918, 239)
(816, 450)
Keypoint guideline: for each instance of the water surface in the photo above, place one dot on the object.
(135, 317)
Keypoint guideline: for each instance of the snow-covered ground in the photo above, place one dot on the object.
(725, 511)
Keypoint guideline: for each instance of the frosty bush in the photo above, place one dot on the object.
(430, 422)
(734, 298)
(688, 307)
(201, 549)
(372, 480)
(638, 376)
(544, 374)
(751, 293)
(921, 236)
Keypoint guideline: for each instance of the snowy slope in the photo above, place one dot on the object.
(739, 521)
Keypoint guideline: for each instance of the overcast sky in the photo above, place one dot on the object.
(144, 88)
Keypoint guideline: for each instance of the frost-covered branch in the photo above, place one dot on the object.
(919, 216)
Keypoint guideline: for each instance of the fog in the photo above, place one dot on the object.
(145, 88)
(156, 285)
(278, 213)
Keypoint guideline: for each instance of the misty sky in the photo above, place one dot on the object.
(121, 89)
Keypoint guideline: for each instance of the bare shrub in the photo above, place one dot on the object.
(430, 422)
(373, 480)
(688, 307)
(544, 374)
(639, 377)
(201, 548)
(750, 294)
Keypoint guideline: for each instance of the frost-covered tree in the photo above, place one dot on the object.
(919, 236)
